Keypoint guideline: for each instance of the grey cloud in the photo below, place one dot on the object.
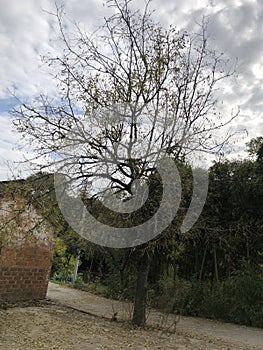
(237, 30)
(256, 99)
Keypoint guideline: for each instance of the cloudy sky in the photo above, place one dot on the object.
(28, 31)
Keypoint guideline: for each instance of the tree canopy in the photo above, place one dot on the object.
(130, 95)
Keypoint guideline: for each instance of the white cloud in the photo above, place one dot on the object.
(10, 157)
(25, 34)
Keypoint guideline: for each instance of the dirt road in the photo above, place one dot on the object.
(55, 325)
(236, 335)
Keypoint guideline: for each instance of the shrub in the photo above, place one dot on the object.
(237, 299)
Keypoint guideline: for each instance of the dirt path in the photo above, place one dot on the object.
(55, 325)
(233, 336)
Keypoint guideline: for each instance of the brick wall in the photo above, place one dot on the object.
(26, 249)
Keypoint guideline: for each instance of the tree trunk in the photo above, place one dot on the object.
(202, 264)
(76, 267)
(140, 303)
(216, 267)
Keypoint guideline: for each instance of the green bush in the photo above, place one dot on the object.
(238, 299)
(121, 287)
(244, 290)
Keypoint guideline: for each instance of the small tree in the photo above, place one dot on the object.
(254, 145)
(130, 94)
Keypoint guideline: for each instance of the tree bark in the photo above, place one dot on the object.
(140, 303)
(216, 267)
(202, 264)
(76, 267)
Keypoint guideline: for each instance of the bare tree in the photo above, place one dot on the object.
(130, 93)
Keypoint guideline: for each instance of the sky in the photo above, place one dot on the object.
(28, 31)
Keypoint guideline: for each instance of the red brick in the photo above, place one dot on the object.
(24, 263)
